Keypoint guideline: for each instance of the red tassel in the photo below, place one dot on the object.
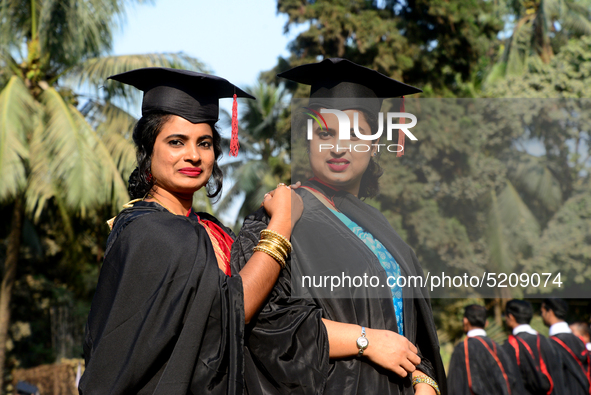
(234, 144)
(400, 132)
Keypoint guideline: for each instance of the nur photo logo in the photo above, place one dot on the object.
(393, 123)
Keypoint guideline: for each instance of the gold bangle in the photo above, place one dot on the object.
(272, 254)
(277, 243)
(267, 234)
(426, 380)
(272, 235)
(274, 246)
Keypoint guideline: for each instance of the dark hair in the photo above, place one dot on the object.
(558, 306)
(521, 310)
(476, 315)
(144, 137)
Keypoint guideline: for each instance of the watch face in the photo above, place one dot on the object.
(362, 342)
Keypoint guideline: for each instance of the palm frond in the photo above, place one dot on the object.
(511, 228)
(577, 22)
(17, 119)
(519, 47)
(247, 179)
(122, 151)
(9, 67)
(500, 253)
(113, 189)
(94, 72)
(72, 143)
(115, 127)
(496, 73)
(14, 24)
(531, 175)
(70, 31)
(516, 215)
(42, 185)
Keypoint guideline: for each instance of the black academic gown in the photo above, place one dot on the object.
(287, 350)
(575, 379)
(534, 380)
(486, 375)
(164, 319)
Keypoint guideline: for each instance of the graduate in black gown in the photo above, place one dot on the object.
(574, 355)
(479, 366)
(538, 361)
(168, 314)
(315, 343)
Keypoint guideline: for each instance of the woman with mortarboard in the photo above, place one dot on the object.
(349, 340)
(168, 313)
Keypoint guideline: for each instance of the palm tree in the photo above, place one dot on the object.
(512, 227)
(264, 147)
(49, 148)
(539, 23)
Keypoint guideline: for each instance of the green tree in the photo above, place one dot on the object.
(49, 151)
(436, 45)
(540, 29)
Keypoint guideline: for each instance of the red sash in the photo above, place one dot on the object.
(586, 372)
(514, 341)
(220, 240)
(494, 355)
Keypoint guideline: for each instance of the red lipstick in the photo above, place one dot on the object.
(338, 164)
(191, 171)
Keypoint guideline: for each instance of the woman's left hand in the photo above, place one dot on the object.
(297, 205)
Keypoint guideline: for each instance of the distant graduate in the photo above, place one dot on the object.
(574, 355)
(479, 366)
(538, 361)
(583, 331)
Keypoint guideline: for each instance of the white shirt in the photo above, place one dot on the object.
(524, 328)
(476, 332)
(559, 327)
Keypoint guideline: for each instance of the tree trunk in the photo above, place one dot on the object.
(14, 243)
(498, 311)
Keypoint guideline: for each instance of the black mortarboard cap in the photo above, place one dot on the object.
(346, 83)
(341, 84)
(188, 94)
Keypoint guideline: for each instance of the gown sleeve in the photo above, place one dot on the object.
(286, 343)
(164, 318)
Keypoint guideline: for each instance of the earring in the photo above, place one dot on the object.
(149, 177)
(374, 154)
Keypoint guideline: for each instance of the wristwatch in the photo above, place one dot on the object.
(362, 342)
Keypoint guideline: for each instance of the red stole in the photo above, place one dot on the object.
(514, 341)
(220, 240)
(494, 355)
(586, 372)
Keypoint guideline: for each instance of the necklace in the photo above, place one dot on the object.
(160, 203)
